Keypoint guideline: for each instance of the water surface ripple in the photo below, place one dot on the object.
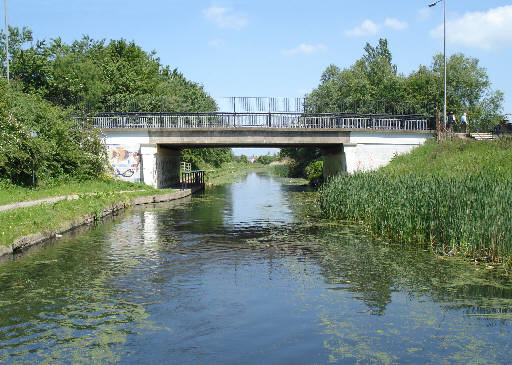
(238, 276)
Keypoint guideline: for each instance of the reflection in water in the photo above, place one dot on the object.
(238, 276)
(266, 205)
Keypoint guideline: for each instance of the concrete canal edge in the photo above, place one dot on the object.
(40, 237)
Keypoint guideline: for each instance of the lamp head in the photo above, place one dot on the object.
(434, 3)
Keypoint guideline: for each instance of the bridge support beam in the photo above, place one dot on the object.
(160, 166)
(335, 161)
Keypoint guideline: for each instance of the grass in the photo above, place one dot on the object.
(455, 197)
(282, 170)
(229, 172)
(456, 158)
(13, 194)
(94, 196)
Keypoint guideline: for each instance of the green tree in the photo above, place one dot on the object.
(93, 76)
(372, 77)
(63, 147)
(468, 89)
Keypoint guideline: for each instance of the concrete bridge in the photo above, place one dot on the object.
(146, 146)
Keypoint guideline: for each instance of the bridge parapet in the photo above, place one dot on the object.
(262, 120)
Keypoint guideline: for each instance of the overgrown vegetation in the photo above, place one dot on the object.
(54, 81)
(37, 136)
(267, 159)
(455, 197)
(314, 172)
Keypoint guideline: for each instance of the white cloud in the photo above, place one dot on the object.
(368, 27)
(395, 24)
(305, 49)
(225, 18)
(215, 42)
(487, 30)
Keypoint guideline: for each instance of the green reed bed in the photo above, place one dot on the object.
(467, 210)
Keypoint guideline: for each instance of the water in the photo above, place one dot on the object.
(238, 276)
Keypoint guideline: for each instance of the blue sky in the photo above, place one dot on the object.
(280, 48)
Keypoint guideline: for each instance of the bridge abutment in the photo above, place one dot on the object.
(334, 160)
(160, 166)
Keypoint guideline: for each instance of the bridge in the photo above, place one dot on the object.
(146, 146)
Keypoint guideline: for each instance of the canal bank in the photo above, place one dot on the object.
(25, 223)
(103, 208)
(452, 197)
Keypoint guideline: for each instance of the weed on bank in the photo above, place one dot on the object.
(454, 196)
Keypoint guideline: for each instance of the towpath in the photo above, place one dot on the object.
(53, 199)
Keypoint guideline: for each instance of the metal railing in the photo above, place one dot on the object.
(262, 120)
(192, 179)
(185, 166)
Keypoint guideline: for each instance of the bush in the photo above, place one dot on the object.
(314, 172)
(266, 159)
(63, 148)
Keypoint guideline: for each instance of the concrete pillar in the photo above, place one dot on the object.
(148, 156)
(160, 166)
(334, 160)
(167, 167)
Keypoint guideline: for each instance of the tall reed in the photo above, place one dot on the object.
(468, 211)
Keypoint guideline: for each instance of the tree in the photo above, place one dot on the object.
(468, 90)
(63, 148)
(372, 77)
(90, 76)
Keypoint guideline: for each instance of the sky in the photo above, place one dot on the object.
(280, 48)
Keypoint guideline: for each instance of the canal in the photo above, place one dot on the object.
(246, 274)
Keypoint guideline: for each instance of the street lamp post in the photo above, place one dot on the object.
(444, 54)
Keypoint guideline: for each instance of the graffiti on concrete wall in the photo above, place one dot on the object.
(125, 161)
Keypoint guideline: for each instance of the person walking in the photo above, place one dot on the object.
(450, 124)
(464, 123)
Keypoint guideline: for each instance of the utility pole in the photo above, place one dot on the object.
(6, 40)
(444, 52)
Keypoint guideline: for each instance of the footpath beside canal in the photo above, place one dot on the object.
(121, 201)
(32, 216)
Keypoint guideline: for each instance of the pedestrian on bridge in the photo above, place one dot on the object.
(451, 123)
(464, 123)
